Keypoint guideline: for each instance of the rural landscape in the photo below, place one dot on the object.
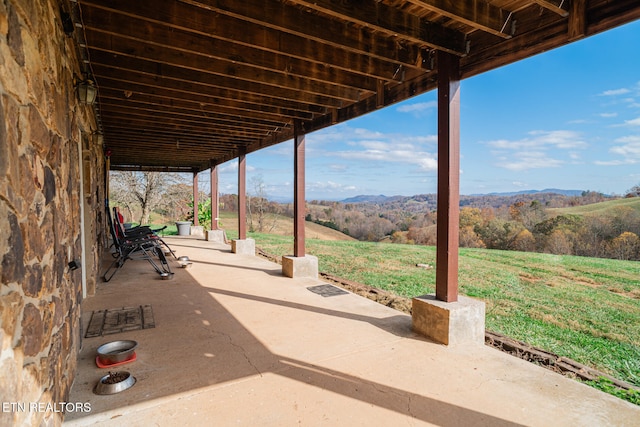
(557, 269)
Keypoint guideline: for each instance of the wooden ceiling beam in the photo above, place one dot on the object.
(126, 122)
(556, 6)
(123, 118)
(173, 137)
(137, 168)
(182, 90)
(186, 119)
(296, 20)
(226, 54)
(478, 14)
(258, 111)
(394, 22)
(228, 75)
(195, 20)
(578, 20)
(156, 146)
(168, 141)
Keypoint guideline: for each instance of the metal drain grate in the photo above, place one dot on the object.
(113, 321)
(327, 290)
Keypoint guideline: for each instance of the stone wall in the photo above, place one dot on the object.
(44, 133)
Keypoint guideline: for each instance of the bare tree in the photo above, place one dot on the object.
(140, 191)
(259, 207)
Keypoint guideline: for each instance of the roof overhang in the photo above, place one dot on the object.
(186, 85)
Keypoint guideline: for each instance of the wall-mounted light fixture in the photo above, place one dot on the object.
(98, 138)
(87, 92)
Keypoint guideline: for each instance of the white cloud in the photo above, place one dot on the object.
(418, 108)
(338, 167)
(630, 147)
(615, 92)
(366, 133)
(615, 162)
(522, 161)
(608, 115)
(561, 139)
(389, 152)
(329, 186)
(633, 122)
(232, 167)
(365, 145)
(533, 152)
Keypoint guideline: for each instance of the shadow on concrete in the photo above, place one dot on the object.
(399, 325)
(198, 343)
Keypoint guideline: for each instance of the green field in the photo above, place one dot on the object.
(587, 309)
(602, 208)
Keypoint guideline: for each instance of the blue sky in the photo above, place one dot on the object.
(568, 118)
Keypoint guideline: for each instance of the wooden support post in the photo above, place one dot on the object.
(214, 198)
(196, 220)
(298, 190)
(448, 177)
(242, 196)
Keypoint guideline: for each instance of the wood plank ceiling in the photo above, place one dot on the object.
(184, 85)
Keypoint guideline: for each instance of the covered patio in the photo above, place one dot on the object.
(236, 343)
(89, 86)
(181, 88)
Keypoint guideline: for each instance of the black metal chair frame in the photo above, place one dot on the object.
(145, 246)
(140, 231)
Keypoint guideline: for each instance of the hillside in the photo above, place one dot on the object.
(602, 208)
(283, 226)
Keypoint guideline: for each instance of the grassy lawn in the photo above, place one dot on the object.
(587, 309)
(601, 208)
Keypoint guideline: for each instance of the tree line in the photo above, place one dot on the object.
(520, 222)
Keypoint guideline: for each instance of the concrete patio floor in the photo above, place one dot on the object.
(236, 343)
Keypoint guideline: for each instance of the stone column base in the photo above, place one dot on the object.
(449, 323)
(197, 230)
(243, 246)
(306, 266)
(215, 236)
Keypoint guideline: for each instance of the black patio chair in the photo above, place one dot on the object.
(146, 247)
(139, 231)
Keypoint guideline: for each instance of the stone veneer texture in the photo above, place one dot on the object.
(42, 129)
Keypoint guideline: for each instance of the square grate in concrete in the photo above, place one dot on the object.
(327, 290)
(113, 321)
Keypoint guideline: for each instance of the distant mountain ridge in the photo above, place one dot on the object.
(380, 198)
(569, 193)
(372, 199)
